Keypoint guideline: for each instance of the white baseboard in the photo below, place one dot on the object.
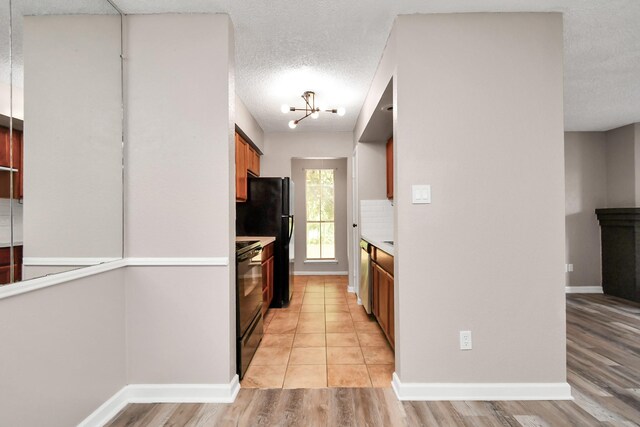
(107, 410)
(583, 289)
(480, 391)
(65, 261)
(162, 393)
(177, 261)
(320, 273)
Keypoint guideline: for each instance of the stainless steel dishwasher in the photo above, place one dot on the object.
(364, 290)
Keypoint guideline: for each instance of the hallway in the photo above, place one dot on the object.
(323, 339)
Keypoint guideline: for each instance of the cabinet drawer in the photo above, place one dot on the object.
(383, 259)
(267, 252)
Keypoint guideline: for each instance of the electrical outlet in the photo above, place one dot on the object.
(465, 340)
(568, 268)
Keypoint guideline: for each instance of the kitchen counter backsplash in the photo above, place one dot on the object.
(5, 221)
(376, 219)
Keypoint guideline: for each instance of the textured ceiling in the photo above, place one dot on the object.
(333, 47)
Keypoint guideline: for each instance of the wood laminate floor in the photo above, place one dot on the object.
(603, 361)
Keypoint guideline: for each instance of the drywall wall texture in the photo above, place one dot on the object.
(281, 147)
(248, 124)
(621, 167)
(372, 165)
(180, 131)
(586, 190)
(339, 166)
(479, 118)
(63, 351)
(73, 137)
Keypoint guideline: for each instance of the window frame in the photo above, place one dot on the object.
(320, 222)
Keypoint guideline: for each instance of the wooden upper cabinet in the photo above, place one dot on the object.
(253, 162)
(4, 147)
(390, 169)
(241, 169)
(7, 161)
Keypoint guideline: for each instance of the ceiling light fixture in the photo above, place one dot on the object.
(309, 109)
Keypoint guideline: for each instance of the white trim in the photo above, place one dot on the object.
(583, 289)
(320, 273)
(162, 393)
(178, 261)
(85, 271)
(480, 391)
(320, 261)
(107, 410)
(58, 278)
(35, 261)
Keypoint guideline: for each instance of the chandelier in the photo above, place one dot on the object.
(309, 109)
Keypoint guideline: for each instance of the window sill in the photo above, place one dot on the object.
(320, 261)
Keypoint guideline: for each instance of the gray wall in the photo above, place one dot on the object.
(298, 177)
(585, 159)
(73, 137)
(281, 147)
(621, 167)
(64, 346)
(372, 167)
(248, 124)
(487, 255)
(63, 351)
(180, 146)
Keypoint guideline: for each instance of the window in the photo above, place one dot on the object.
(320, 207)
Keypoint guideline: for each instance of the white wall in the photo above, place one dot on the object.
(586, 190)
(281, 147)
(72, 137)
(180, 136)
(248, 124)
(487, 254)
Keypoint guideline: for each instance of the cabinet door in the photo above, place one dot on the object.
(390, 169)
(380, 296)
(375, 290)
(253, 161)
(241, 169)
(4, 146)
(270, 263)
(384, 301)
(256, 161)
(391, 331)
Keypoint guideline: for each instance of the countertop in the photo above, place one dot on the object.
(265, 240)
(7, 244)
(379, 244)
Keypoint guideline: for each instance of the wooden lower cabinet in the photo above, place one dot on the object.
(5, 265)
(383, 300)
(267, 277)
(389, 152)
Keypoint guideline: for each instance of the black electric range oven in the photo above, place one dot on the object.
(249, 326)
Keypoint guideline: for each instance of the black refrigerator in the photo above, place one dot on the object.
(269, 211)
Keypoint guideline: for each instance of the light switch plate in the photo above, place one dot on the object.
(420, 194)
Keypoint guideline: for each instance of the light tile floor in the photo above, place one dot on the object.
(323, 339)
